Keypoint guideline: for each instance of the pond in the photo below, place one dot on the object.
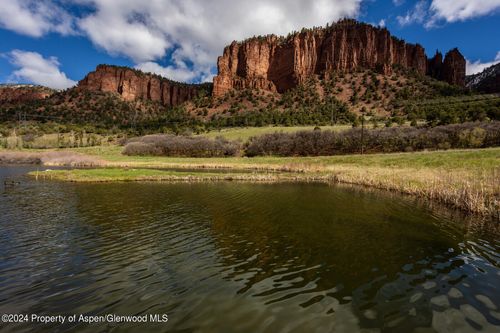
(241, 257)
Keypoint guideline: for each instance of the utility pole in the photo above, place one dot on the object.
(331, 110)
(362, 131)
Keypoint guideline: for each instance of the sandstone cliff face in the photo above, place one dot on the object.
(132, 84)
(15, 94)
(278, 64)
(435, 65)
(454, 68)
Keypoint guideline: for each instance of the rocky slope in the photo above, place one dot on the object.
(20, 93)
(133, 85)
(487, 81)
(278, 64)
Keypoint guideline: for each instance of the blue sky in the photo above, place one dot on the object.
(56, 42)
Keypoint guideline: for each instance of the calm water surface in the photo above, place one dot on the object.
(233, 257)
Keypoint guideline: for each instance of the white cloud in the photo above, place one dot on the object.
(195, 32)
(478, 66)
(416, 15)
(35, 17)
(189, 34)
(461, 10)
(192, 33)
(447, 11)
(176, 73)
(121, 30)
(34, 68)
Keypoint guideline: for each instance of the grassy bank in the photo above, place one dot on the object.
(465, 179)
(470, 160)
(129, 175)
(244, 133)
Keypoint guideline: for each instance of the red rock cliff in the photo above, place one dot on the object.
(133, 84)
(20, 93)
(278, 64)
(454, 68)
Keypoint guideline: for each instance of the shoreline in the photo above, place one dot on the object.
(468, 180)
(465, 198)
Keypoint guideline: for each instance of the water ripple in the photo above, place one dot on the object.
(243, 257)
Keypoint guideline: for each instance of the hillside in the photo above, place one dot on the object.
(405, 95)
(110, 96)
(343, 97)
(488, 81)
(318, 76)
(12, 94)
(93, 109)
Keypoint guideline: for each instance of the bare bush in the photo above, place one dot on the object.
(384, 140)
(189, 146)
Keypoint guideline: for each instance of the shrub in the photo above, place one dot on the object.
(392, 139)
(141, 148)
(472, 137)
(181, 145)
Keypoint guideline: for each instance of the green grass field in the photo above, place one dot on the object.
(473, 160)
(467, 179)
(244, 133)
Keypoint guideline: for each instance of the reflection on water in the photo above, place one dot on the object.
(230, 257)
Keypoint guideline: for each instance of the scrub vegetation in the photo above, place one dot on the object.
(323, 143)
(396, 139)
(173, 145)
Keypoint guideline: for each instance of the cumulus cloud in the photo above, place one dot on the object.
(447, 11)
(35, 17)
(461, 10)
(478, 66)
(177, 73)
(188, 35)
(34, 68)
(193, 33)
(121, 30)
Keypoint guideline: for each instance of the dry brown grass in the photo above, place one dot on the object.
(477, 193)
(51, 158)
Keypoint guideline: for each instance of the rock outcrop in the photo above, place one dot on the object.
(454, 68)
(435, 65)
(21, 93)
(133, 84)
(277, 64)
(488, 81)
